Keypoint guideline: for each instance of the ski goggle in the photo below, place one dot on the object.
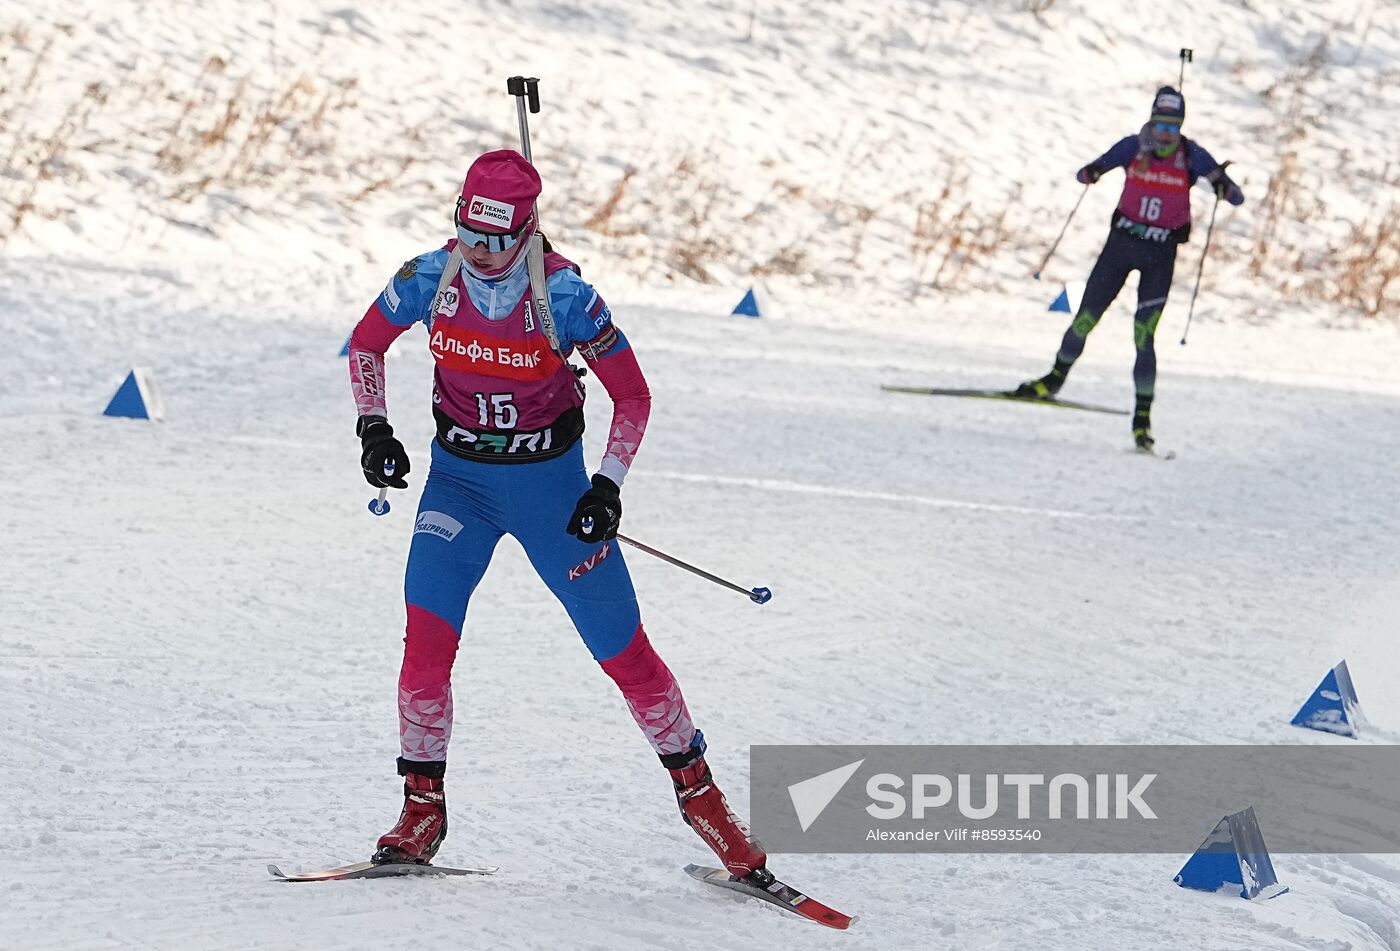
(1167, 127)
(494, 240)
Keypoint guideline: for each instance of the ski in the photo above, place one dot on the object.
(371, 870)
(1003, 395)
(776, 893)
(1167, 456)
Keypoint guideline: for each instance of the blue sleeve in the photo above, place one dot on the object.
(408, 295)
(1199, 162)
(581, 316)
(1119, 154)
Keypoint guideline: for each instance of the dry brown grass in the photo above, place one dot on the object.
(1288, 236)
(953, 230)
(1369, 266)
(790, 261)
(601, 219)
(709, 228)
(223, 132)
(182, 139)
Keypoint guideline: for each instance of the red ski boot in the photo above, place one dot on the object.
(706, 811)
(423, 823)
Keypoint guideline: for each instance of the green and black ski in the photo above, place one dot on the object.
(1003, 395)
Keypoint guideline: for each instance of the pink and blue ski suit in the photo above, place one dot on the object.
(508, 459)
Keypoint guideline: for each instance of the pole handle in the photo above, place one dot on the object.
(380, 506)
(527, 87)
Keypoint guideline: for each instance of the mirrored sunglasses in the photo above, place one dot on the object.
(1168, 127)
(494, 240)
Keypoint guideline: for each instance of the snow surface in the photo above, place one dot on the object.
(202, 624)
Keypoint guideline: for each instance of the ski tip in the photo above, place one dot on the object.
(1167, 456)
(709, 874)
(275, 872)
(778, 894)
(832, 918)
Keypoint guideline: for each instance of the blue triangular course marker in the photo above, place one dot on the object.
(1333, 707)
(345, 350)
(136, 398)
(748, 307)
(1069, 299)
(1233, 855)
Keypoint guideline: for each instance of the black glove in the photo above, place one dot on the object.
(598, 512)
(1227, 190)
(1088, 174)
(383, 457)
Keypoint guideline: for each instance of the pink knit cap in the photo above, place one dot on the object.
(499, 192)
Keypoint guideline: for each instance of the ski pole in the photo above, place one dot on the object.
(380, 506)
(1201, 269)
(1046, 260)
(756, 595)
(524, 88)
(1185, 55)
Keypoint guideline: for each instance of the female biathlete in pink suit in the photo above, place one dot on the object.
(508, 458)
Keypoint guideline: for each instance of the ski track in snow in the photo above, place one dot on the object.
(202, 633)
